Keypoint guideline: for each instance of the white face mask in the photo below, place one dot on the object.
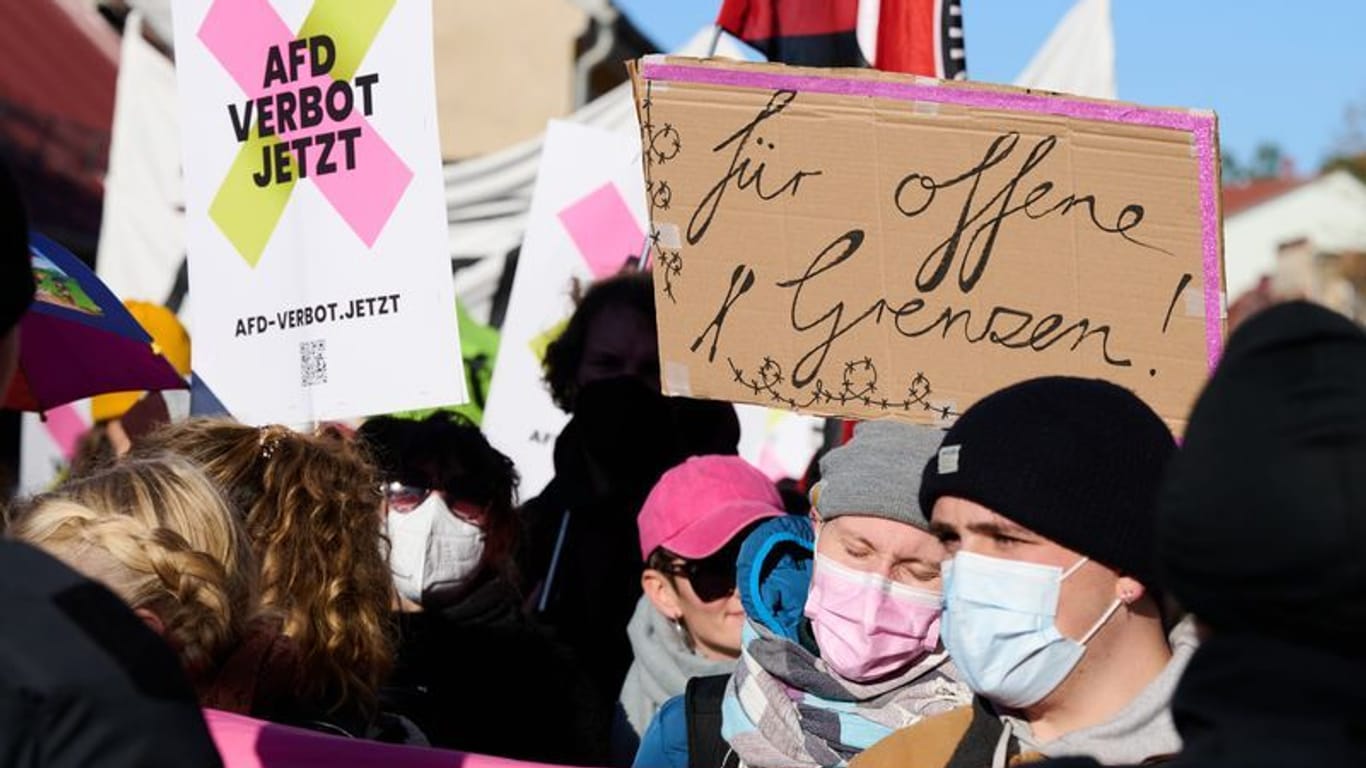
(432, 548)
(1000, 627)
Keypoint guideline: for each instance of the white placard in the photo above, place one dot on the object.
(315, 208)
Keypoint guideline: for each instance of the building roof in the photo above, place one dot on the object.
(56, 108)
(65, 58)
(1239, 197)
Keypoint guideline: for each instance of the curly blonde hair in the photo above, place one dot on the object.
(312, 511)
(157, 533)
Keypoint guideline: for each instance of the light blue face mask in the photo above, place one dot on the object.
(1000, 631)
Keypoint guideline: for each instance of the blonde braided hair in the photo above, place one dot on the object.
(157, 533)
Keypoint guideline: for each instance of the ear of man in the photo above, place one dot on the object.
(1128, 590)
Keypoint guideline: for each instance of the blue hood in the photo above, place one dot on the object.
(773, 573)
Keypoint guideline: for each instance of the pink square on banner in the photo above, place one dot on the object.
(603, 229)
(66, 427)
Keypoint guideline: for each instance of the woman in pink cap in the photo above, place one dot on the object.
(688, 622)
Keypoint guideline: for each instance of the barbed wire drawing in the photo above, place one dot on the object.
(858, 385)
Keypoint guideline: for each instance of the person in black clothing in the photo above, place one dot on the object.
(1262, 535)
(472, 669)
(582, 561)
(83, 681)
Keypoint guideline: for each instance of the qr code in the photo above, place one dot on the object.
(312, 363)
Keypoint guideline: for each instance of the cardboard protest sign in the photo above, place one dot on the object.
(315, 208)
(868, 245)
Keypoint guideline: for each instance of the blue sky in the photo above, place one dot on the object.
(1274, 70)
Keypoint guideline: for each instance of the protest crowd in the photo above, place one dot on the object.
(1067, 571)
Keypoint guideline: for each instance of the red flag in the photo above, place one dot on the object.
(923, 37)
(818, 33)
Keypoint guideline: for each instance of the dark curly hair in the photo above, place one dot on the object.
(565, 354)
(447, 452)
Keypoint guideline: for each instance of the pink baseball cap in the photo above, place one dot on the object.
(699, 505)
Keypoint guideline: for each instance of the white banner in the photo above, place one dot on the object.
(315, 209)
(142, 232)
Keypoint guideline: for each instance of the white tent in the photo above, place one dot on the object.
(1079, 56)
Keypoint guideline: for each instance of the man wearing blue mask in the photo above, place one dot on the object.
(1279, 436)
(1043, 494)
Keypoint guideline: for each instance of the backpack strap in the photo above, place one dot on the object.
(702, 704)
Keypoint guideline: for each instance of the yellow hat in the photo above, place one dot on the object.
(169, 339)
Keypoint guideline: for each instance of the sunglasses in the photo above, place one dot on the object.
(403, 498)
(712, 578)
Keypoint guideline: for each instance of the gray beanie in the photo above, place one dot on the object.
(877, 473)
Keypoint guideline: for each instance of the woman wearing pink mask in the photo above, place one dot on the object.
(842, 639)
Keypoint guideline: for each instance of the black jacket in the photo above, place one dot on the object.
(622, 438)
(478, 676)
(82, 680)
(1257, 702)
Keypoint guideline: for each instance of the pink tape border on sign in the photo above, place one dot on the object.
(1201, 128)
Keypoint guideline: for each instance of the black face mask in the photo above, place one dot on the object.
(624, 435)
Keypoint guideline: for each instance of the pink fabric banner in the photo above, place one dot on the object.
(244, 742)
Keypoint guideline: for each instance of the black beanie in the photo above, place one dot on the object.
(16, 268)
(1262, 518)
(1077, 461)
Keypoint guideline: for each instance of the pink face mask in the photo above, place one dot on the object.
(868, 626)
